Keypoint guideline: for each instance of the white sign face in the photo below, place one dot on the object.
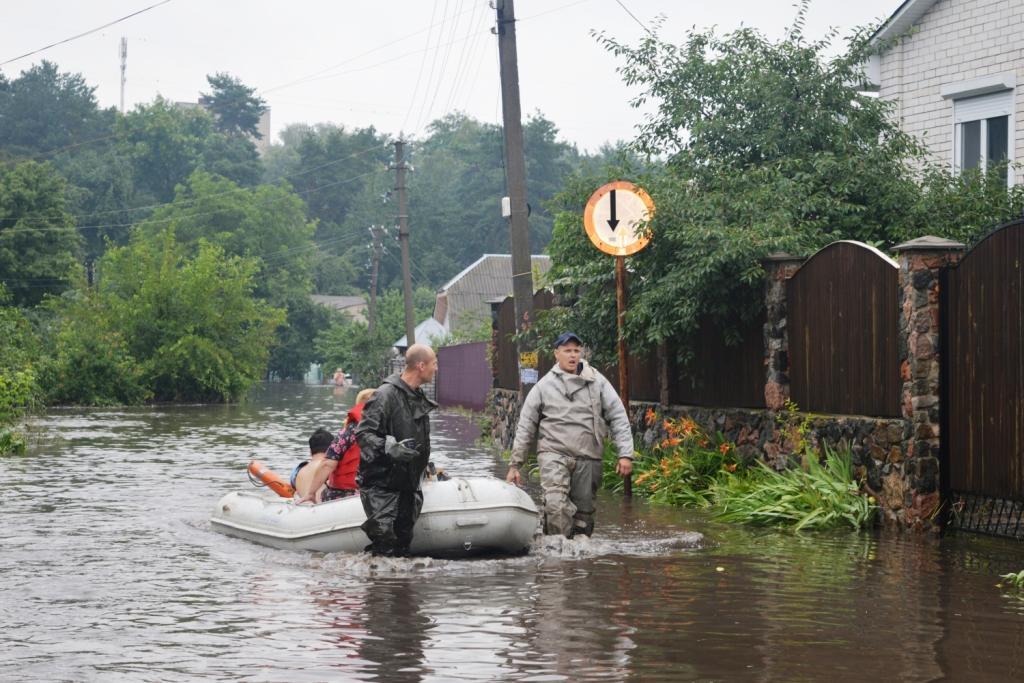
(612, 217)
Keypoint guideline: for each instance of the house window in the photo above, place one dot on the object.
(982, 132)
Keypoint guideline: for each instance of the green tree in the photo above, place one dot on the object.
(267, 224)
(88, 361)
(38, 243)
(165, 144)
(235, 107)
(192, 322)
(44, 110)
(18, 371)
(760, 145)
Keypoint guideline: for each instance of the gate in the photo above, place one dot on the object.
(982, 420)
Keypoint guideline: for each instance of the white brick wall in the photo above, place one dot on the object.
(956, 40)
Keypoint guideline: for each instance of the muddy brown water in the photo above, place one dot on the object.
(109, 571)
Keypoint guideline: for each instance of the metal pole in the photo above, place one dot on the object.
(403, 237)
(620, 306)
(515, 167)
(124, 67)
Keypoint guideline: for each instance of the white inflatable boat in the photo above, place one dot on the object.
(460, 517)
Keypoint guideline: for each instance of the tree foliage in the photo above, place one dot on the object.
(235, 107)
(191, 321)
(756, 146)
(38, 242)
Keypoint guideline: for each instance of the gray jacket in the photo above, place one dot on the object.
(570, 415)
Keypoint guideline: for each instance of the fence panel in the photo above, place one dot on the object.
(505, 364)
(463, 375)
(721, 375)
(843, 319)
(983, 364)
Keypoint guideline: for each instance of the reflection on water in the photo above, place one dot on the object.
(109, 571)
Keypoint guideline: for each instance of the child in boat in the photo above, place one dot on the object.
(334, 476)
(302, 479)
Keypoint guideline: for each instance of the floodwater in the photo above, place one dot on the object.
(109, 571)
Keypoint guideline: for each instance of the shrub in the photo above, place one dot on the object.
(815, 496)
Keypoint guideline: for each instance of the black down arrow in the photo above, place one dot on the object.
(613, 222)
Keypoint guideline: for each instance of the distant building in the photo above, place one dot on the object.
(262, 126)
(352, 306)
(428, 332)
(462, 304)
(953, 75)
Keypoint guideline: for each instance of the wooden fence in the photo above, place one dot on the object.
(718, 375)
(843, 319)
(983, 368)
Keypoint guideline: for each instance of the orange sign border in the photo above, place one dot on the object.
(588, 217)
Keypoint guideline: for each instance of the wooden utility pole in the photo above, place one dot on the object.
(376, 233)
(515, 167)
(403, 238)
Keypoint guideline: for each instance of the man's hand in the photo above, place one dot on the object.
(513, 476)
(624, 467)
(403, 451)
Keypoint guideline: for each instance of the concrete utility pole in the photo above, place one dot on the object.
(376, 232)
(515, 166)
(403, 237)
(124, 67)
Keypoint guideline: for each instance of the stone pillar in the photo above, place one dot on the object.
(920, 262)
(779, 268)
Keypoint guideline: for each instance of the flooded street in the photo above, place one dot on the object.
(109, 571)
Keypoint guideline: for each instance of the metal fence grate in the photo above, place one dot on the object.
(986, 515)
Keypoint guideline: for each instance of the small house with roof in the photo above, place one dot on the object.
(463, 303)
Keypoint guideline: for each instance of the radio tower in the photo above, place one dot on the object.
(124, 66)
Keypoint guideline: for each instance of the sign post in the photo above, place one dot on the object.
(611, 218)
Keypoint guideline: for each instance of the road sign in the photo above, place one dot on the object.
(612, 217)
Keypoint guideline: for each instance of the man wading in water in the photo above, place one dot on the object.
(570, 411)
(394, 440)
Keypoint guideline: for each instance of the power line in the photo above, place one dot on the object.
(81, 35)
(642, 25)
(419, 73)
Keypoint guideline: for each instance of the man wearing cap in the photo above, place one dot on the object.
(570, 412)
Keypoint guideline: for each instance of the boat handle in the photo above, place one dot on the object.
(471, 521)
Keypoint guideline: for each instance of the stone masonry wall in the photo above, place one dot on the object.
(876, 444)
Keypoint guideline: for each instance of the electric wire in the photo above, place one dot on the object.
(82, 35)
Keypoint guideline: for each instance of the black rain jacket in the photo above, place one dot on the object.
(400, 411)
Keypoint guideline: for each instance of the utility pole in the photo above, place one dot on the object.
(403, 238)
(376, 233)
(124, 67)
(515, 167)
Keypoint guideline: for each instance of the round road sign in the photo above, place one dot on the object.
(613, 214)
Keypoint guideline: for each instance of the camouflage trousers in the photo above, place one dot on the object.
(570, 485)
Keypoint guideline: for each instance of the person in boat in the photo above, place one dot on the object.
(334, 475)
(394, 442)
(303, 474)
(569, 412)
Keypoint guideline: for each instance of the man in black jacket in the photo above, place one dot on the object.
(394, 442)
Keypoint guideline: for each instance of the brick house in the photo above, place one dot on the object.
(955, 73)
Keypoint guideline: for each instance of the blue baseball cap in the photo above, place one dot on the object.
(567, 337)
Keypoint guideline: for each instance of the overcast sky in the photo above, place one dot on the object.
(395, 65)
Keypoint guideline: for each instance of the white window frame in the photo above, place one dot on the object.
(980, 99)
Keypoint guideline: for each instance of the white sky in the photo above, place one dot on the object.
(350, 75)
